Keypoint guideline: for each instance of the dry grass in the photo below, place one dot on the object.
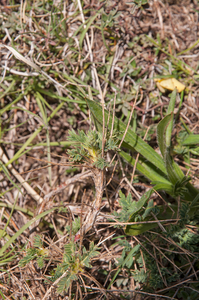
(109, 52)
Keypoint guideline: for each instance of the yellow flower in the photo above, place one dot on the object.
(169, 84)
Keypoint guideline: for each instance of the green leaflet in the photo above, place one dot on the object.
(165, 213)
(192, 139)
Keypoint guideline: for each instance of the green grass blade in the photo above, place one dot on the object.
(178, 62)
(146, 168)
(10, 216)
(22, 229)
(8, 89)
(42, 107)
(28, 112)
(54, 96)
(6, 172)
(86, 29)
(131, 138)
(7, 107)
(31, 138)
(170, 110)
(24, 210)
(189, 49)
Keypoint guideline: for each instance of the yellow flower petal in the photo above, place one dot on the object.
(170, 84)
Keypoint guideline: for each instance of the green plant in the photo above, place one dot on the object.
(37, 252)
(161, 170)
(167, 254)
(164, 173)
(81, 50)
(22, 229)
(133, 208)
(140, 2)
(74, 261)
(88, 148)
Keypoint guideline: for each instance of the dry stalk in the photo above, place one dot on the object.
(25, 185)
(98, 178)
(74, 179)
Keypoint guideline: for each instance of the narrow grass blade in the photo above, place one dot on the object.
(10, 216)
(7, 174)
(21, 230)
(86, 29)
(42, 107)
(28, 112)
(24, 210)
(8, 89)
(7, 107)
(170, 110)
(146, 168)
(54, 96)
(178, 62)
(31, 138)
